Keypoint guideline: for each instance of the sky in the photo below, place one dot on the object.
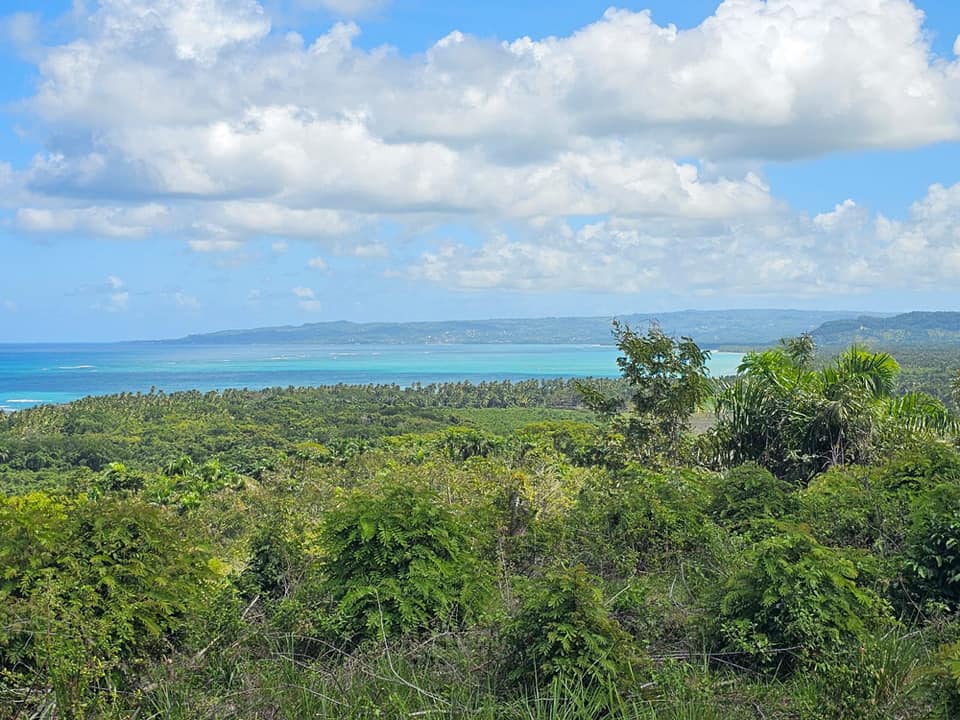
(179, 166)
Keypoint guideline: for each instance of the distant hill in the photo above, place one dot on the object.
(710, 328)
(912, 328)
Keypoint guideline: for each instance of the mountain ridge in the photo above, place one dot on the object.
(711, 328)
(910, 328)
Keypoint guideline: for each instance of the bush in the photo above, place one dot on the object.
(89, 589)
(399, 561)
(750, 492)
(942, 678)
(842, 507)
(795, 600)
(564, 629)
(642, 519)
(577, 441)
(933, 547)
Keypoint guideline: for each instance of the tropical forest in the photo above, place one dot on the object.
(782, 543)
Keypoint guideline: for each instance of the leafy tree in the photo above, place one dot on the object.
(668, 381)
(801, 349)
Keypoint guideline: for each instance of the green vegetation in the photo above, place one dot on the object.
(710, 327)
(507, 550)
(908, 329)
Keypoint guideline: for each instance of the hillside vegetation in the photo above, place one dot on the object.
(710, 327)
(909, 329)
(535, 550)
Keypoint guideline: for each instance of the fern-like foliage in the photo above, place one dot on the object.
(399, 561)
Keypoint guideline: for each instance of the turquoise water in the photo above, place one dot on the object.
(36, 374)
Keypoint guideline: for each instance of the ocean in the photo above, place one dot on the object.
(37, 374)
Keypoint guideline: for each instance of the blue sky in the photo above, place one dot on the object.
(179, 166)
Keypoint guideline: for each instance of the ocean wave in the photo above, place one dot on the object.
(22, 401)
(76, 367)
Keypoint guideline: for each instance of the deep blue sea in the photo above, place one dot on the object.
(35, 374)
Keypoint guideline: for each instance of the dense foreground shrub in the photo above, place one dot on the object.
(398, 560)
(749, 492)
(564, 629)
(794, 601)
(933, 547)
(88, 591)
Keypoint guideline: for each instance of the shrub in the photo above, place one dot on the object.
(842, 507)
(750, 492)
(642, 519)
(399, 561)
(577, 441)
(89, 589)
(795, 599)
(933, 547)
(942, 678)
(563, 629)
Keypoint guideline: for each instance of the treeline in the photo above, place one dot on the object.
(245, 428)
(796, 560)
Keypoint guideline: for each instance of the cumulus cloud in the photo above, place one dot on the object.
(219, 245)
(344, 8)
(317, 263)
(193, 119)
(115, 222)
(515, 127)
(308, 299)
(846, 250)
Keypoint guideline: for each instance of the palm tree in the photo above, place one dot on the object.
(798, 421)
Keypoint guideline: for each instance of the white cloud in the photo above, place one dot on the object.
(279, 247)
(183, 300)
(844, 251)
(113, 222)
(317, 263)
(114, 282)
(308, 299)
(298, 132)
(370, 250)
(214, 131)
(196, 30)
(118, 301)
(213, 246)
(344, 8)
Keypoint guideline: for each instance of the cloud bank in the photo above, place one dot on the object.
(196, 120)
